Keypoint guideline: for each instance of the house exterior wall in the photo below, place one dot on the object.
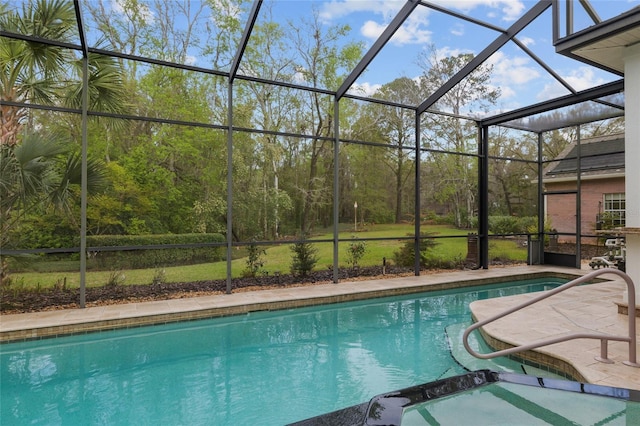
(561, 208)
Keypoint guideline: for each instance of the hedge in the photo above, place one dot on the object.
(122, 252)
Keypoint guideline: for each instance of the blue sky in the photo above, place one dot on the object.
(521, 80)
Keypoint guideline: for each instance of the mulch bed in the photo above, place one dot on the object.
(20, 301)
(14, 301)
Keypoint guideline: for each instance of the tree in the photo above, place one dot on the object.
(454, 135)
(304, 258)
(32, 71)
(398, 128)
(371, 186)
(322, 64)
(40, 166)
(512, 175)
(39, 171)
(262, 193)
(181, 170)
(40, 73)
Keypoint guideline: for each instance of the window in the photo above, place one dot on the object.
(613, 211)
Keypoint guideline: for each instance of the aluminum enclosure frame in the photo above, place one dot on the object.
(483, 124)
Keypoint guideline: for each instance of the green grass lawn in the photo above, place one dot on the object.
(276, 258)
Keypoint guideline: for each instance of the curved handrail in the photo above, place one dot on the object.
(604, 338)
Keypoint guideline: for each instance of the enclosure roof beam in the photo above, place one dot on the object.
(83, 38)
(386, 35)
(478, 60)
(590, 11)
(561, 102)
(461, 16)
(253, 15)
(544, 65)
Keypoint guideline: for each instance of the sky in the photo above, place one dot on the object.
(521, 80)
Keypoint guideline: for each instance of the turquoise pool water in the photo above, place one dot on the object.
(267, 368)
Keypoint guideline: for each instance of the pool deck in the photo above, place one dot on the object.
(584, 309)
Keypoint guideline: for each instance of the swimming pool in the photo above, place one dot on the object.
(267, 368)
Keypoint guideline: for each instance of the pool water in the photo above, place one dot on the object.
(267, 368)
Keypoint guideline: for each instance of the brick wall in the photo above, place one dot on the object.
(561, 209)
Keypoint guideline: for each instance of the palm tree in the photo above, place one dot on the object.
(39, 169)
(45, 74)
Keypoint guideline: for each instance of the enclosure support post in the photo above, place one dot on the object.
(578, 199)
(541, 197)
(229, 181)
(336, 189)
(235, 65)
(483, 197)
(417, 198)
(83, 186)
(84, 149)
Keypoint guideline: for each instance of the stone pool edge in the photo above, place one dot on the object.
(39, 325)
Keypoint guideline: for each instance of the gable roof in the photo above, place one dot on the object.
(598, 156)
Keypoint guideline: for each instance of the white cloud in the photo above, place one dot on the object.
(364, 89)
(457, 30)
(340, 8)
(412, 31)
(511, 74)
(447, 52)
(372, 30)
(551, 90)
(512, 70)
(527, 41)
(581, 78)
(510, 10)
(190, 60)
(506, 92)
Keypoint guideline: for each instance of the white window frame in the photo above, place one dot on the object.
(615, 203)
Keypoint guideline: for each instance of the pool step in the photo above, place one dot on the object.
(454, 335)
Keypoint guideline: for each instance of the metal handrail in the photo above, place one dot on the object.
(604, 338)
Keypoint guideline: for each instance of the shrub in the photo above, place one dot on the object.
(527, 222)
(159, 276)
(355, 251)
(158, 255)
(533, 230)
(43, 230)
(436, 262)
(254, 260)
(304, 258)
(116, 278)
(506, 225)
(380, 214)
(405, 255)
(5, 279)
(503, 224)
